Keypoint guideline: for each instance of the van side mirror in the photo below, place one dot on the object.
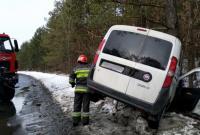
(16, 46)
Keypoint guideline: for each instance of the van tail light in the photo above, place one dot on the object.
(98, 51)
(170, 73)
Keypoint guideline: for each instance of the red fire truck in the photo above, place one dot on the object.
(8, 67)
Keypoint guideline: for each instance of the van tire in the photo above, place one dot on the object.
(95, 97)
(155, 122)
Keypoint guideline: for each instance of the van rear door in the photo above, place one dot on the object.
(151, 69)
(117, 59)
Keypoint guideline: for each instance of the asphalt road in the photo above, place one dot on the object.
(32, 112)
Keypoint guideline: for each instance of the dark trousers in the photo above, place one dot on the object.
(81, 101)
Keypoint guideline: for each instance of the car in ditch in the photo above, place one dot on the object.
(137, 66)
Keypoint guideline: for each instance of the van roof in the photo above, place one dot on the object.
(144, 31)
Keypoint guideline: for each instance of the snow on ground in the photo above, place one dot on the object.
(58, 85)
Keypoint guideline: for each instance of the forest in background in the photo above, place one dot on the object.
(77, 27)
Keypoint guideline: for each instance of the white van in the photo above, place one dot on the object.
(137, 66)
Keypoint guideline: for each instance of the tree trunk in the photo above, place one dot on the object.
(171, 17)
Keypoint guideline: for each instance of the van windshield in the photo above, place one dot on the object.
(140, 48)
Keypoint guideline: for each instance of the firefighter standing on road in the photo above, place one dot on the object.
(78, 77)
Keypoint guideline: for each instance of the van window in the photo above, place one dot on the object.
(140, 48)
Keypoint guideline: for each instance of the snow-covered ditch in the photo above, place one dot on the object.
(106, 119)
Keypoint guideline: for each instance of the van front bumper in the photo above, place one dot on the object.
(153, 109)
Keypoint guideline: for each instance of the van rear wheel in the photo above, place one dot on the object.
(95, 97)
(155, 122)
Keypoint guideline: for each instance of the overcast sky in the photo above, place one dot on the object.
(21, 18)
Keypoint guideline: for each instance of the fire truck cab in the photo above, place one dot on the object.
(8, 67)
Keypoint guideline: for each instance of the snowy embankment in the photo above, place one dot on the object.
(58, 85)
(105, 119)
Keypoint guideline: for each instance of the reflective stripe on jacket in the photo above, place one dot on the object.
(76, 114)
(81, 89)
(85, 114)
(79, 76)
(82, 73)
(79, 114)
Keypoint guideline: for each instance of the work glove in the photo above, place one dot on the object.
(73, 85)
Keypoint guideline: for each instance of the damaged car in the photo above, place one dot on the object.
(138, 66)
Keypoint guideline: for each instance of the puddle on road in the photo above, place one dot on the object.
(18, 102)
(22, 88)
(197, 109)
(19, 98)
(10, 122)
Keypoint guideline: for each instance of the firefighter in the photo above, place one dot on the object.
(78, 79)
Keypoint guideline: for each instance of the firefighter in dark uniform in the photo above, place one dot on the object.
(78, 78)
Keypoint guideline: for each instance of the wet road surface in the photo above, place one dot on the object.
(32, 112)
(10, 121)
